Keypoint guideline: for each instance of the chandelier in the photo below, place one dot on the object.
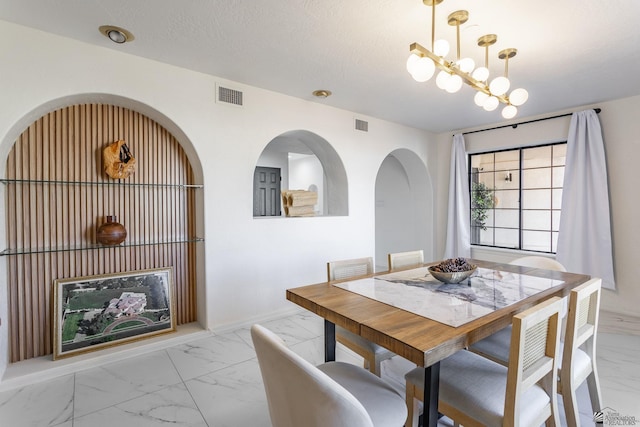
(422, 64)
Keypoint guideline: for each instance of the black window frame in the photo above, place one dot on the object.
(520, 209)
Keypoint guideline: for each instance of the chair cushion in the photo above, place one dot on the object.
(581, 365)
(385, 406)
(362, 343)
(477, 386)
(495, 346)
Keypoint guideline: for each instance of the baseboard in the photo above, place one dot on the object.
(44, 368)
(246, 323)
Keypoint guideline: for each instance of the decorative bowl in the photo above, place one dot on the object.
(455, 277)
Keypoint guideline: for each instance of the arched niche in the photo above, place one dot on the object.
(300, 146)
(120, 112)
(403, 206)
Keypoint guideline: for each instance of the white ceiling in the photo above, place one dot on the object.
(570, 52)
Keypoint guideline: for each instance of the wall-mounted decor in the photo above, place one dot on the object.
(95, 312)
(119, 163)
(111, 232)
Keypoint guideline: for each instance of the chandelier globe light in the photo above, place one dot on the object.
(499, 85)
(423, 62)
(454, 83)
(466, 65)
(481, 74)
(443, 79)
(518, 96)
(491, 103)
(441, 48)
(479, 98)
(424, 69)
(509, 112)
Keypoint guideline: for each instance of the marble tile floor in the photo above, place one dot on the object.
(215, 382)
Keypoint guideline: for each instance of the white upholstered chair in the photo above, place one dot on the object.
(475, 391)
(539, 262)
(578, 352)
(333, 394)
(579, 356)
(372, 353)
(405, 259)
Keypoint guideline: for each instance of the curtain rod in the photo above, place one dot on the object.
(515, 125)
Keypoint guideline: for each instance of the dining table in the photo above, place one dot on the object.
(424, 320)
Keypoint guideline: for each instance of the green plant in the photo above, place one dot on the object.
(481, 201)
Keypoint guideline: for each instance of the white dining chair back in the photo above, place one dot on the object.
(333, 394)
(349, 268)
(372, 353)
(578, 351)
(579, 355)
(405, 259)
(539, 262)
(476, 391)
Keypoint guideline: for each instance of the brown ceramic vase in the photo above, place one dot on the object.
(111, 232)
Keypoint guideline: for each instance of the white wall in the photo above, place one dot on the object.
(621, 133)
(247, 263)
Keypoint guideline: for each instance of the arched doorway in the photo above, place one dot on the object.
(403, 207)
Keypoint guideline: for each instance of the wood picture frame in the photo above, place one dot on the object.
(96, 312)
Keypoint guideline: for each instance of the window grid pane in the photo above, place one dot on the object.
(521, 215)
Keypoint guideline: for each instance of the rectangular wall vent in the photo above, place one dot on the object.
(229, 96)
(362, 125)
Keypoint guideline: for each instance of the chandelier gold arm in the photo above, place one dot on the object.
(422, 69)
(449, 67)
(486, 41)
(507, 54)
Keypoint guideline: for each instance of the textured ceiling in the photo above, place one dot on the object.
(570, 52)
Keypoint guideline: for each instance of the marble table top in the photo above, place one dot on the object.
(420, 293)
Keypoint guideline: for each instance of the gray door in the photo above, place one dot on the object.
(266, 191)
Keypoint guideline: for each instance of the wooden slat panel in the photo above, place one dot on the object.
(66, 145)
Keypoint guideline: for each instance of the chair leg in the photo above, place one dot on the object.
(377, 367)
(552, 389)
(412, 407)
(594, 390)
(570, 406)
(373, 365)
(593, 381)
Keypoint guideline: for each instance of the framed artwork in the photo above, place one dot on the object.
(95, 312)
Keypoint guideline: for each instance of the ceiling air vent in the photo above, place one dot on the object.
(362, 125)
(229, 96)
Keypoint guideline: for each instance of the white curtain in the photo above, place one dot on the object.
(584, 240)
(458, 224)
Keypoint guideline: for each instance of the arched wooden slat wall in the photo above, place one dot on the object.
(64, 149)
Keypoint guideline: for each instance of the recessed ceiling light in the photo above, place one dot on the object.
(116, 34)
(322, 93)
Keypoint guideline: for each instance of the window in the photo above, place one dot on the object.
(516, 197)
